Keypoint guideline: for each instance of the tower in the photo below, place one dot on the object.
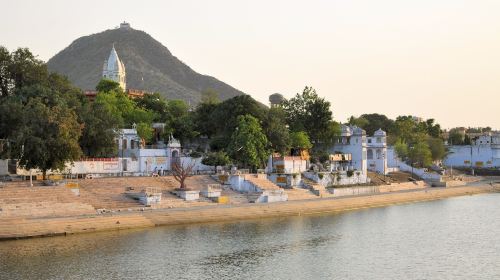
(114, 69)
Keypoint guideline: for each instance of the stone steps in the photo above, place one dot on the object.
(263, 184)
(300, 194)
(30, 227)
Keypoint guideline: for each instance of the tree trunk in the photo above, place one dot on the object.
(44, 172)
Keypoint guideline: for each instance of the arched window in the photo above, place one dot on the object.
(370, 154)
(379, 153)
(175, 153)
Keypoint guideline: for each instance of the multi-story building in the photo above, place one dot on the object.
(355, 151)
(377, 152)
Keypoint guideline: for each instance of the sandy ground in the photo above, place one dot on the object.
(12, 228)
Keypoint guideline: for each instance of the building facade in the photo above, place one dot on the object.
(352, 145)
(376, 152)
(483, 153)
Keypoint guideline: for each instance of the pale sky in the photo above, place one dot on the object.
(430, 58)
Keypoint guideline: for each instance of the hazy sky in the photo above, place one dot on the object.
(431, 58)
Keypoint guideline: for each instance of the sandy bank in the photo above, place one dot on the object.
(13, 228)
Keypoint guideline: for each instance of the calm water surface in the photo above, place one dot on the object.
(457, 238)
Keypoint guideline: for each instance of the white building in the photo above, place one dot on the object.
(114, 69)
(483, 153)
(376, 154)
(352, 144)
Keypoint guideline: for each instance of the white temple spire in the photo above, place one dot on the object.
(114, 69)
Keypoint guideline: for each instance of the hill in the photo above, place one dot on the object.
(150, 66)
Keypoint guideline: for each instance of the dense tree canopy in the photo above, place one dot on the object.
(248, 143)
(276, 130)
(310, 113)
(372, 122)
(37, 112)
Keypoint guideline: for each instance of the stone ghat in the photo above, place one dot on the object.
(41, 202)
(21, 228)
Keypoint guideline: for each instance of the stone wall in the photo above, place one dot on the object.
(394, 162)
(394, 187)
(476, 156)
(285, 180)
(341, 178)
(354, 190)
(4, 170)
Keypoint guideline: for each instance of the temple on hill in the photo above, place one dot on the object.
(114, 69)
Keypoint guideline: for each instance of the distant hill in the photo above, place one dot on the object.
(150, 66)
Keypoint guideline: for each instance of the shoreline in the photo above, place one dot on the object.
(22, 228)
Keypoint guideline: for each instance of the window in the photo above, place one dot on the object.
(370, 154)
(132, 144)
(379, 140)
(369, 140)
(124, 144)
(379, 153)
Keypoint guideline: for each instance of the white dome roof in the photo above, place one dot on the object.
(358, 131)
(345, 130)
(113, 63)
(380, 132)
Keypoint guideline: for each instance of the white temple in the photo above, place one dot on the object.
(114, 69)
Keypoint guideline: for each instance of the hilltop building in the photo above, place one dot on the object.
(114, 69)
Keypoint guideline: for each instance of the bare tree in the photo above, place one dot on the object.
(181, 172)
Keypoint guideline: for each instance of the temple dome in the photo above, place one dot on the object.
(379, 132)
(114, 69)
(113, 63)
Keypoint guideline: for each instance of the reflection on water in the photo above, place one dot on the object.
(456, 238)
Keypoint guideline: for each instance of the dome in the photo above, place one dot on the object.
(113, 63)
(345, 130)
(379, 132)
(358, 131)
(276, 98)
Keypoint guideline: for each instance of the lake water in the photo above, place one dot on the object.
(457, 238)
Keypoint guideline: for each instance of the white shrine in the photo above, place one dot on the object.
(114, 69)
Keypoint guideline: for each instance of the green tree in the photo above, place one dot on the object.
(420, 154)
(248, 143)
(145, 131)
(359, 122)
(20, 69)
(215, 159)
(181, 123)
(155, 103)
(99, 130)
(376, 122)
(437, 148)
(106, 85)
(455, 137)
(204, 119)
(124, 108)
(210, 96)
(47, 130)
(300, 140)
(6, 81)
(433, 129)
(227, 112)
(401, 149)
(276, 130)
(308, 112)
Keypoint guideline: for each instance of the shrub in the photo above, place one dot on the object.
(195, 154)
(350, 173)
